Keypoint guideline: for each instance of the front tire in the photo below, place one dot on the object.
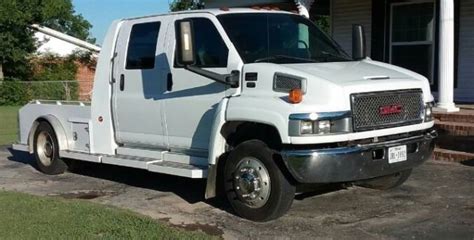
(46, 150)
(254, 184)
(387, 182)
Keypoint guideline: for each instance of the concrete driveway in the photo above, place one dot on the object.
(437, 202)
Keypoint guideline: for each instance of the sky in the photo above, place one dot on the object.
(101, 13)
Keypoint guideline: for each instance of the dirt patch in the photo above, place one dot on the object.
(86, 194)
(206, 228)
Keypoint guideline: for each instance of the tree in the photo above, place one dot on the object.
(16, 36)
(323, 22)
(60, 15)
(16, 39)
(180, 5)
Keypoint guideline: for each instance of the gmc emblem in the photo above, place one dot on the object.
(390, 109)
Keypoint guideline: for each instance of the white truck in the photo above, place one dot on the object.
(256, 101)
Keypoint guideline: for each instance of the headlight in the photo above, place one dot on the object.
(320, 123)
(429, 112)
(323, 127)
(306, 127)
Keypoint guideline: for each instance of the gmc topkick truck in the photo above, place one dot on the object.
(256, 101)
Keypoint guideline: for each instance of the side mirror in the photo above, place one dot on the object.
(185, 42)
(359, 50)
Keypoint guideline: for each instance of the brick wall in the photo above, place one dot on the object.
(85, 76)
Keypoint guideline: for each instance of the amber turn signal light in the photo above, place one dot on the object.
(296, 96)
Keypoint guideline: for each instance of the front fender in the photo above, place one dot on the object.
(269, 111)
(239, 109)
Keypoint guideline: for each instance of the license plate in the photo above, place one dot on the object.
(397, 154)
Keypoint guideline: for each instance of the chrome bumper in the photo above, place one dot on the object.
(347, 164)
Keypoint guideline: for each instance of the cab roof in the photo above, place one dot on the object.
(215, 12)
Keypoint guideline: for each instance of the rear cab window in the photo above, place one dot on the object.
(142, 45)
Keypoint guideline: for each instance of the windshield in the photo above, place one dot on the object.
(280, 38)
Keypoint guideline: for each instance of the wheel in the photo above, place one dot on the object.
(254, 184)
(46, 150)
(387, 182)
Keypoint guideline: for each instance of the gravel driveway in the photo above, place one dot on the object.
(437, 202)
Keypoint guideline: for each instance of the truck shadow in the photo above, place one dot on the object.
(190, 190)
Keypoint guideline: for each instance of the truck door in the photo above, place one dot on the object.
(140, 70)
(192, 99)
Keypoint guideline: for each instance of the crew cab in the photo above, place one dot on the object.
(257, 102)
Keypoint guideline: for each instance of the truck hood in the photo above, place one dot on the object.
(342, 73)
(329, 85)
(360, 76)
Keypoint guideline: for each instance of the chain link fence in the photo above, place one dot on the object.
(14, 94)
(21, 92)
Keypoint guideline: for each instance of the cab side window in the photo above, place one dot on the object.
(211, 50)
(142, 46)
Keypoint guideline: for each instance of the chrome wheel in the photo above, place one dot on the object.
(252, 182)
(45, 148)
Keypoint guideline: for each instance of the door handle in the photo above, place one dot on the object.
(169, 82)
(122, 82)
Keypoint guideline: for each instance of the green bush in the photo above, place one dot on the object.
(54, 68)
(53, 90)
(47, 83)
(13, 93)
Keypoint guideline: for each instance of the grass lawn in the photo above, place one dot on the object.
(24, 216)
(8, 124)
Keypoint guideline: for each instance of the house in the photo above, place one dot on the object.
(432, 37)
(58, 43)
(54, 42)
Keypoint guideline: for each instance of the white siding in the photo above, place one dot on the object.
(345, 13)
(465, 87)
(54, 45)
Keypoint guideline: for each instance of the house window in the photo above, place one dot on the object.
(412, 37)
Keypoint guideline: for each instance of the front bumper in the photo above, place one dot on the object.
(347, 164)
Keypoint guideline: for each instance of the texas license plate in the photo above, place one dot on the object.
(397, 154)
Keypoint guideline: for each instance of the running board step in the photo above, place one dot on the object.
(178, 169)
(129, 161)
(158, 166)
(182, 169)
(139, 152)
(164, 155)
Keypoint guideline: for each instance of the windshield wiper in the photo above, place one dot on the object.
(336, 56)
(283, 57)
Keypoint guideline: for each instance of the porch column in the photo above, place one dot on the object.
(446, 57)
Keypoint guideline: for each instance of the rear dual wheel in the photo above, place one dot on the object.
(46, 150)
(255, 186)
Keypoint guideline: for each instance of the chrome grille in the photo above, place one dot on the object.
(367, 113)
